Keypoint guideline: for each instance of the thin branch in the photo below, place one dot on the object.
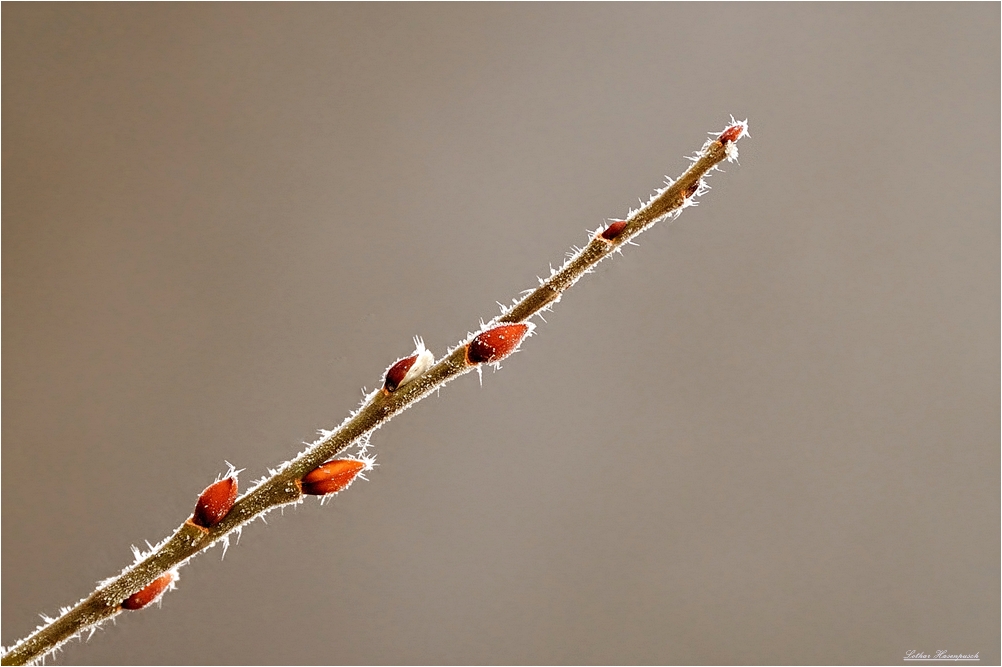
(408, 381)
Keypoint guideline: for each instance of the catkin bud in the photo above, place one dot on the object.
(734, 132)
(331, 477)
(407, 369)
(397, 373)
(495, 344)
(151, 593)
(215, 503)
(614, 229)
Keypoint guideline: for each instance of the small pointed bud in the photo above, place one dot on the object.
(734, 132)
(691, 190)
(215, 503)
(614, 229)
(331, 477)
(147, 596)
(407, 369)
(495, 344)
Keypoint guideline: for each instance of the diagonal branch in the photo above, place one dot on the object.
(407, 382)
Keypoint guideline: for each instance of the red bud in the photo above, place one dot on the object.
(614, 229)
(733, 133)
(146, 596)
(397, 372)
(691, 190)
(409, 368)
(495, 344)
(331, 477)
(215, 503)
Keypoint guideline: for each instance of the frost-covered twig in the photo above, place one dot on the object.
(219, 513)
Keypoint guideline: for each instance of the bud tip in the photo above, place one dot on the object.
(735, 131)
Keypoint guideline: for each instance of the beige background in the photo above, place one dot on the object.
(769, 434)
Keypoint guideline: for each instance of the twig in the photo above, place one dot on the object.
(218, 512)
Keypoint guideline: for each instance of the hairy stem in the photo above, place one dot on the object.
(283, 486)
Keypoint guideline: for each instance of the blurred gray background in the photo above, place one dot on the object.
(770, 434)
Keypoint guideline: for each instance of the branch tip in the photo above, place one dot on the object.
(735, 131)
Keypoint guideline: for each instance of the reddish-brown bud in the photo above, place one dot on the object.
(495, 344)
(331, 477)
(147, 596)
(397, 372)
(215, 503)
(733, 133)
(691, 190)
(407, 369)
(614, 229)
